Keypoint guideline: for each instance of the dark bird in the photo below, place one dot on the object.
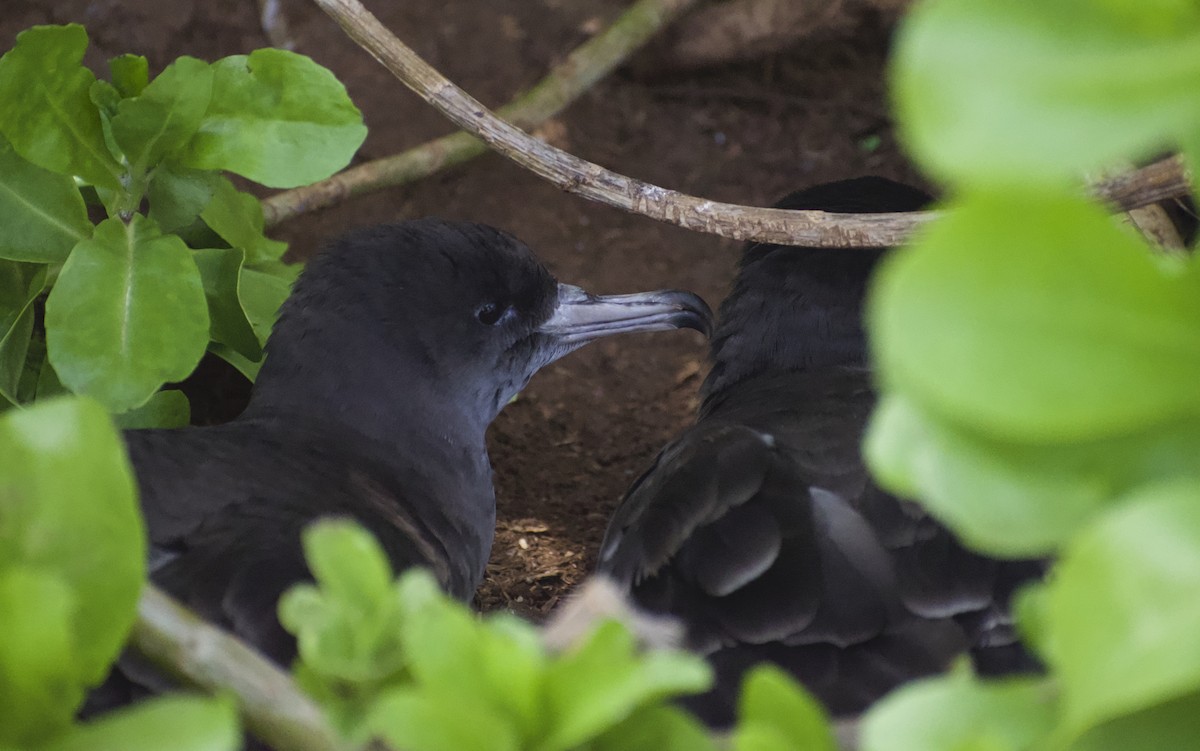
(395, 351)
(760, 527)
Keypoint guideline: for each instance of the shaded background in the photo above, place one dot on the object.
(748, 132)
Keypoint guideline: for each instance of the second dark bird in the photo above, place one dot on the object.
(396, 349)
(760, 527)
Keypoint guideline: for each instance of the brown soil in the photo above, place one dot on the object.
(565, 451)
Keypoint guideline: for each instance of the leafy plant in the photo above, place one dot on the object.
(401, 661)
(180, 263)
(1039, 364)
(72, 563)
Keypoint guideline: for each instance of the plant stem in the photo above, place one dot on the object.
(582, 68)
(272, 707)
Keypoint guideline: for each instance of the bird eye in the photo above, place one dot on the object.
(490, 313)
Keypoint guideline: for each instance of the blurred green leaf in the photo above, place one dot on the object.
(1034, 91)
(48, 115)
(655, 728)
(20, 286)
(69, 510)
(164, 117)
(1016, 499)
(177, 195)
(415, 722)
(277, 118)
(512, 666)
(1140, 567)
(777, 714)
(1173, 724)
(237, 217)
(127, 315)
(166, 409)
(957, 712)
(39, 685)
(129, 73)
(1053, 324)
(221, 270)
(179, 723)
(605, 680)
(348, 626)
(42, 215)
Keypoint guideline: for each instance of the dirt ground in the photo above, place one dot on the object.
(586, 426)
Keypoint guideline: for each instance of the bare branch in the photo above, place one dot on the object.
(593, 181)
(574, 175)
(1166, 178)
(272, 707)
(586, 65)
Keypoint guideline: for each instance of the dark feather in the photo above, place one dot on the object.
(761, 528)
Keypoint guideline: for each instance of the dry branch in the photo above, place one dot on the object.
(581, 69)
(199, 654)
(574, 175)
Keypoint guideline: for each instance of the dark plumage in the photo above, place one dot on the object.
(760, 526)
(397, 348)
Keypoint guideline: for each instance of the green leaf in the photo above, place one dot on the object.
(180, 723)
(107, 100)
(166, 409)
(237, 217)
(129, 73)
(277, 118)
(1138, 566)
(42, 215)
(605, 680)
(1027, 91)
(512, 663)
(262, 294)
(959, 713)
(48, 115)
(39, 689)
(221, 270)
(177, 195)
(165, 115)
(127, 315)
(69, 509)
(1053, 324)
(414, 722)
(243, 365)
(1173, 724)
(1014, 499)
(774, 712)
(347, 627)
(20, 285)
(656, 728)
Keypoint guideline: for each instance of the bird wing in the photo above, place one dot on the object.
(725, 531)
(225, 507)
(761, 529)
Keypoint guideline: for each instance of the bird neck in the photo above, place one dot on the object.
(791, 309)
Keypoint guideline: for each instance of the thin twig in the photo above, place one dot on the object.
(574, 175)
(272, 707)
(565, 83)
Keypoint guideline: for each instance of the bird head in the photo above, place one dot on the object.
(450, 310)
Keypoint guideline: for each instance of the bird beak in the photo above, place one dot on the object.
(579, 317)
